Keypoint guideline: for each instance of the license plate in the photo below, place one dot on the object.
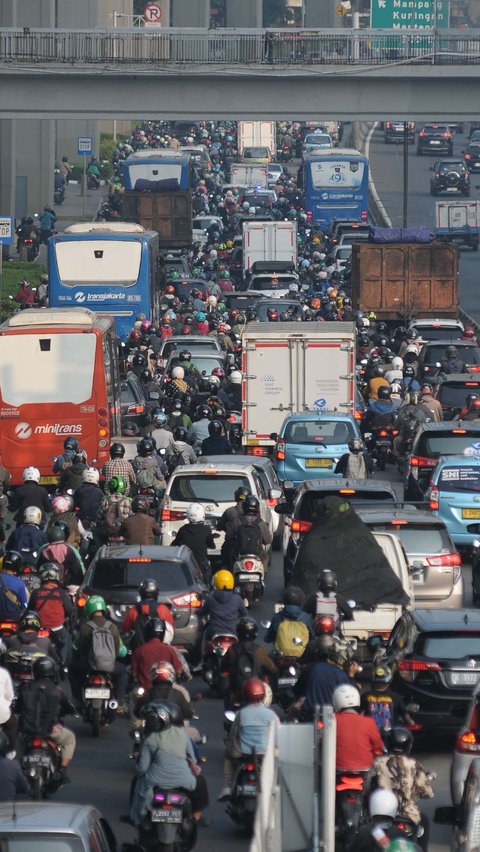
(169, 816)
(435, 142)
(38, 759)
(383, 442)
(470, 513)
(249, 578)
(318, 462)
(247, 790)
(463, 678)
(452, 189)
(48, 480)
(287, 681)
(97, 693)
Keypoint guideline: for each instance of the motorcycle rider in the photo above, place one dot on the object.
(70, 447)
(381, 829)
(146, 467)
(54, 607)
(428, 401)
(250, 526)
(162, 436)
(140, 527)
(31, 493)
(405, 777)
(64, 555)
(249, 731)
(28, 538)
(13, 593)
(153, 650)
(71, 478)
(381, 413)
(217, 444)
(25, 296)
(179, 451)
(47, 224)
(234, 390)
(234, 512)
(114, 509)
(143, 610)
(165, 690)
(324, 677)
(199, 429)
(117, 465)
(383, 705)
(197, 535)
(95, 611)
(356, 464)
(451, 363)
(293, 603)
(88, 497)
(28, 641)
(44, 677)
(243, 660)
(375, 383)
(223, 607)
(358, 737)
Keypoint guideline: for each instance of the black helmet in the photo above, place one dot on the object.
(148, 589)
(215, 429)
(180, 433)
(145, 447)
(156, 716)
(12, 561)
(384, 392)
(59, 531)
(247, 629)
(400, 740)
(185, 355)
(44, 667)
(382, 327)
(363, 340)
(203, 411)
(29, 621)
(242, 493)
(379, 371)
(176, 715)
(409, 371)
(251, 505)
(140, 504)
(451, 353)
(293, 596)
(71, 444)
(117, 450)
(327, 581)
(381, 675)
(155, 629)
(323, 646)
(412, 334)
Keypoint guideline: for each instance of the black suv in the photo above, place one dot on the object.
(472, 157)
(435, 138)
(450, 176)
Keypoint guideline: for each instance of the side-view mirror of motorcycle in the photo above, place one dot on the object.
(438, 364)
(161, 452)
(445, 815)
(352, 604)
(282, 509)
(374, 643)
(273, 436)
(476, 544)
(154, 395)
(265, 624)
(229, 715)
(413, 708)
(275, 494)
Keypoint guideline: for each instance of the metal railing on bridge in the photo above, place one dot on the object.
(139, 46)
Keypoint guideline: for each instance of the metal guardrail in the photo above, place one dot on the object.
(123, 46)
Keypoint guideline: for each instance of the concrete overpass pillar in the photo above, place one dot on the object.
(244, 14)
(7, 168)
(35, 158)
(191, 13)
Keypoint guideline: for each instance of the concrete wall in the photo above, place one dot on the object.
(92, 13)
(27, 13)
(321, 13)
(244, 13)
(190, 13)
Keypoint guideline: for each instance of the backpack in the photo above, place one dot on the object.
(288, 631)
(112, 518)
(10, 604)
(28, 540)
(138, 637)
(175, 458)
(246, 666)
(102, 655)
(248, 540)
(146, 477)
(37, 710)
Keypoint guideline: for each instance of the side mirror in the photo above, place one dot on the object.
(282, 509)
(352, 604)
(230, 715)
(273, 436)
(275, 494)
(374, 643)
(154, 395)
(445, 815)
(288, 485)
(265, 624)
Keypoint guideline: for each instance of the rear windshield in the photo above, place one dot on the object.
(455, 393)
(209, 488)
(120, 573)
(460, 478)
(429, 332)
(418, 538)
(206, 343)
(323, 432)
(266, 283)
(253, 153)
(311, 507)
(203, 365)
(259, 200)
(436, 353)
(43, 842)
(449, 646)
(446, 444)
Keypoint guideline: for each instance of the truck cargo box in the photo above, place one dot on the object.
(169, 213)
(264, 241)
(399, 281)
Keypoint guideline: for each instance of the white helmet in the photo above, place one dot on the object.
(345, 696)
(235, 377)
(91, 475)
(195, 513)
(396, 388)
(213, 254)
(214, 381)
(383, 803)
(31, 474)
(32, 515)
(178, 373)
(212, 301)
(397, 363)
(364, 322)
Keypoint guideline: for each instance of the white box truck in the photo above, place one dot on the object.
(256, 134)
(241, 174)
(269, 241)
(458, 222)
(289, 369)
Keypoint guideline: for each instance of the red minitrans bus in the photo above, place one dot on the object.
(58, 377)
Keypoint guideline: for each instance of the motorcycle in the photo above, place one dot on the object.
(249, 574)
(59, 195)
(288, 673)
(382, 441)
(349, 805)
(28, 248)
(98, 707)
(234, 425)
(216, 648)
(285, 154)
(41, 766)
(169, 824)
(242, 805)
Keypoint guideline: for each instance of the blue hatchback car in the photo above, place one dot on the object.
(309, 445)
(454, 496)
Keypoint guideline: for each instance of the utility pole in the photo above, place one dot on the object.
(405, 174)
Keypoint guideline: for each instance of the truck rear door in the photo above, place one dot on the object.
(328, 375)
(268, 388)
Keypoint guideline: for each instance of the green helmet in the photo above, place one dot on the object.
(95, 604)
(173, 274)
(117, 485)
(225, 274)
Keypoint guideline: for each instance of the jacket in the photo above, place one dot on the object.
(87, 500)
(163, 762)
(153, 651)
(149, 464)
(342, 464)
(140, 529)
(216, 446)
(358, 741)
(323, 679)
(223, 608)
(60, 704)
(53, 605)
(288, 613)
(379, 414)
(179, 452)
(28, 641)
(30, 494)
(12, 780)
(197, 433)
(405, 777)
(199, 538)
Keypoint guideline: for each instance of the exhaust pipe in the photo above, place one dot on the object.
(113, 704)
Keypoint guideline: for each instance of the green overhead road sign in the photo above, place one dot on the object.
(409, 14)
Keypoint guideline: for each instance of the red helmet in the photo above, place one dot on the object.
(135, 336)
(324, 625)
(187, 329)
(253, 690)
(223, 329)
(468, 332)
(170, 289)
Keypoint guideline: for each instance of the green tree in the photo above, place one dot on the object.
(274, 12)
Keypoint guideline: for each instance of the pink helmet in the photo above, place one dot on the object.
(61, 503)
(218, 371)
(145, 325)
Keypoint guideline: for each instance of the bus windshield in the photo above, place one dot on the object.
(46, 368)
(98, 262)
(337, 174)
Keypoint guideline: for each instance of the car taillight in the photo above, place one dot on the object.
(433, 502)
(257, 451)
(280, 451)
(382, 433)
(135, 409)
(358, 414)
(422, 461)
(410, 669)
(422, 133)
(388, 124)
(473, 368)
(189, 600)
(272, 501)
(467, 743)
(301, 526)
(445, 559)
(364, 215)
(468, 157)
(173, 515)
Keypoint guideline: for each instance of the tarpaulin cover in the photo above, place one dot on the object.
(340, 541)
(420, 234)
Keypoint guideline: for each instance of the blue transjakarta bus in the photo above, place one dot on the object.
(158, 170)
(109, 267)
(336, 185)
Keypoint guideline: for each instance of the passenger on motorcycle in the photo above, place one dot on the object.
(248, 528)
(28, 641)
(451, 363)
(164, 688)
(243, 660)
(249, 731)
(28, 538)
(45, 675)
(381, 413)
(162, 436)
(153, 650)
(381, 829)
(63, 510)
(356, 464)
(114, 509)
(118, 466)
(199, 430)
(72, 477)
(217, 444)
(179, 451)
(140, 527)
(13, 782)
(13, 593)
(88, 497)
(64, 555)
(358, 738)
(54, 607)
(433, 406)
(323, 677)
(145, 609)
(405, 777)
(197, 535)
(146, 466)
(301, 621)
(62, 462)
(234, 513)
(384, 706)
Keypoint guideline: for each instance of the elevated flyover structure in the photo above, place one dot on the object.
(194, 74)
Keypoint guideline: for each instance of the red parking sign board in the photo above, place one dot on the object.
(152, 13)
